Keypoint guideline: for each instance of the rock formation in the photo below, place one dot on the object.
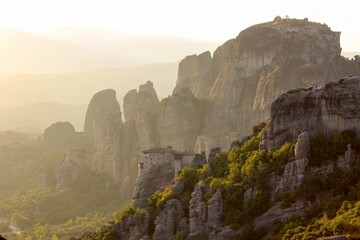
(179, 119)
(248, 73)
(213, 152)
(225, 233)
(294, 171)
(133, 228)
(116, 143)
(151, 181)
(58, 132)
(215, 207)
(140, 107)
(136, 102)
(170, 220)
(70, 169)
(198, 217)
(196, 73)
(47, 176)
(102, 106)
(332, 107)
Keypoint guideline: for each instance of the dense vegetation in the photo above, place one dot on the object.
(246, 167)
(46, 212)
(242, 174)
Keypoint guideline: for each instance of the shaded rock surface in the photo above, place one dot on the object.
(332, 107)
(47, 176)
(196, 73)
(140, 106)
(133, 228)
(197, 213)
(179, 120)
(278, 214)
(215, 208)
(102, 105)
(59, 132)
(62, 135)
(170, 220)
(225, 233)
(151, 181)
(248, 73)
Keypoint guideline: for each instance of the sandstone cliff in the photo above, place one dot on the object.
(296, 115)
(248, 73)
(332, 107)
(116, 143)
(139, 106)
(101, 107)
(196, 73)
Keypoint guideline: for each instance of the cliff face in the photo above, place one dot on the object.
(179, 119)
(139, 106)
(248, 73)
(334, 106)
(116, 142)
(196, 73)
(101, 107)
(218, 99)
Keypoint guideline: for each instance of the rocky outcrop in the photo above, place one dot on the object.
(251, 71)
(150, 181)
(196, 73)
(179, 120)
(225, 233)
(213, 152)
(102, 106)
(170, 221)
(204, 217)
(140, 107)
(333, 107)
(47, 176)
(198, 217)
(133, 228)
(248, 73)
(117, 148)
(58, 132)
(62, 135)
(215, 208)
(294, 171)
(71, 169)
(278, 214)
(137, 102)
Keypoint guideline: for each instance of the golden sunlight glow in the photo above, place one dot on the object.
(202, 19)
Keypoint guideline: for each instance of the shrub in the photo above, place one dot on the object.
(127, 212)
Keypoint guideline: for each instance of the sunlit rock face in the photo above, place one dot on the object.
(263, 62)
(248, 73)
(196, 73)
(116, 142)
(139, 106)
(333, 107)
(102, 105)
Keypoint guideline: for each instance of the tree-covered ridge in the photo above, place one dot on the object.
(233, 172)
(246, 167)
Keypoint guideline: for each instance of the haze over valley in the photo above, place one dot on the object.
(179, 120)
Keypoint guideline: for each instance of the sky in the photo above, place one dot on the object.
(213, 20)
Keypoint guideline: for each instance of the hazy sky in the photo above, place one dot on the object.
(202, 19)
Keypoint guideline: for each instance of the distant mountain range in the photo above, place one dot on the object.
(74, 49)
(35, 118)
(39, 95)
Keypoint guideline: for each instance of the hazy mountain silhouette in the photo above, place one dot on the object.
(74, 49)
